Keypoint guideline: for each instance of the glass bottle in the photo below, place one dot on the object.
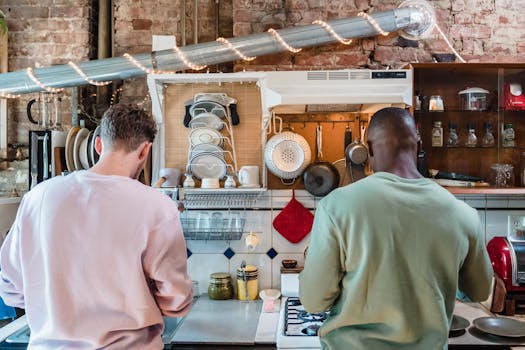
(437, 135)
(453, 138)
(488, 137)
(508, 136)
(472, 139)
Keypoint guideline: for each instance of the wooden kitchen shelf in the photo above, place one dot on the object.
(487, 190)
(447, 80)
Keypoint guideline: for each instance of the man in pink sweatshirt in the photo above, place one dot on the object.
(95, 257)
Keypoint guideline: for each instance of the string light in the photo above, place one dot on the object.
(278, 37)
(183, 58)
(332, 32)
(114, 96)
(449, 44)
(86, 78)
(373, 23)
(146, 69)
(8, 95)
(234, 49)
(31, 75)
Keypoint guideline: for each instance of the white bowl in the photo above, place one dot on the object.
(210, 182)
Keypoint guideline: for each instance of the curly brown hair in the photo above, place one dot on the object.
(126, 127)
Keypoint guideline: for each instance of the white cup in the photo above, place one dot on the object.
(210, 182)
(252, 240)
(249, 176)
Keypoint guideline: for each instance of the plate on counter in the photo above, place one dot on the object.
(500, 326)
(459, 323)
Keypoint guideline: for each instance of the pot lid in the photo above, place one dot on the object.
(471, 90)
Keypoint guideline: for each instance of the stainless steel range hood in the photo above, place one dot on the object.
(353, 90)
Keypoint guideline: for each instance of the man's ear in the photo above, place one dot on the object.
(98, 145)
(369, 145)
(144, 150)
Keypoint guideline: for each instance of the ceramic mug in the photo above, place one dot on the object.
(249, 176)
(252, 240)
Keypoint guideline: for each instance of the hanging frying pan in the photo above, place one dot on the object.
(356, 155)
(320, 177)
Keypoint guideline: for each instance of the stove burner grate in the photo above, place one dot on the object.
(311, 329)
(309, 317)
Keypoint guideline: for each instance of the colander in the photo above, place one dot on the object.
(287, 155)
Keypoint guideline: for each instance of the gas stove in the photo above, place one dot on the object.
(297, 328)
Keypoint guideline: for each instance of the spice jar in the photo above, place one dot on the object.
(220, 287)
(247, 283)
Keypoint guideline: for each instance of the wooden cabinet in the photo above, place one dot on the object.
(447, 80)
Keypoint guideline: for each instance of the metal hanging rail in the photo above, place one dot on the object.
(415, 18)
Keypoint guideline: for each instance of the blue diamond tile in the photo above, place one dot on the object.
(271, 253)
(229, 253)
(188, 252)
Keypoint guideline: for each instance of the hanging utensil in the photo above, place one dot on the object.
(356, 155)
(320, 177)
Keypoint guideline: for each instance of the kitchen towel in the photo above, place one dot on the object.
(294, 222)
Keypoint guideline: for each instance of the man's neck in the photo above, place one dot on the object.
(113, 163)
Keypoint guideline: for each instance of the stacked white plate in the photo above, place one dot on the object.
(206, 155)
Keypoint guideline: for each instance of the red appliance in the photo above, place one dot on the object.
(514, 97)
(508, 261)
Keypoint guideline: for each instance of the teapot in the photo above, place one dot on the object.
(49, 110)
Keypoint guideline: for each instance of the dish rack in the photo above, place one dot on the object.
(226, 227)
(220, 198)
(226, 140)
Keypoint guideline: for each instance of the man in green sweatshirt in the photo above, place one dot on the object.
(389, 252)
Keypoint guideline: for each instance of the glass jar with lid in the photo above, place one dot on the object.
(247, 283)
(220, 287)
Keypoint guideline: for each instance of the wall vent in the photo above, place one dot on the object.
(316, 75)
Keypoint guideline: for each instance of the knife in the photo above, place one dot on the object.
(34, 160)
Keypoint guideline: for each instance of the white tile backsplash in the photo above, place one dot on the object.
(263, 263)
(208, 256)
(282, 245)
(276, 266)
(201, 266)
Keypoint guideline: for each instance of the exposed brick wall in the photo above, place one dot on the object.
(54, 31)
(137, 21)
(44, 33)
(481, 30)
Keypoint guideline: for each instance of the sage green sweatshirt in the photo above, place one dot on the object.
(387, 255)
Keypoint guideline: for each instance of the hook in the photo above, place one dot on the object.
(333, 124)
(304, 125)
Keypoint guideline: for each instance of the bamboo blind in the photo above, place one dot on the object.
(247, 135)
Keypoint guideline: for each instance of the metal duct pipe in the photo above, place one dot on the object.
(118, 68)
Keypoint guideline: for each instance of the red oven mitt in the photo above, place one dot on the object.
(294, 222)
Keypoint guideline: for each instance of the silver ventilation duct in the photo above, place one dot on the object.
(414, 17)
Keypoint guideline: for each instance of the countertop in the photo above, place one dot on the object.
(220, 322)
(232, 324)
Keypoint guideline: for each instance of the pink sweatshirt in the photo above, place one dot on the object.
(96, 261)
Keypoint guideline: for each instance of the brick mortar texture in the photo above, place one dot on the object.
(481, 30)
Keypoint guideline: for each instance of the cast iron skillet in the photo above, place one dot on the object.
(320, 177)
